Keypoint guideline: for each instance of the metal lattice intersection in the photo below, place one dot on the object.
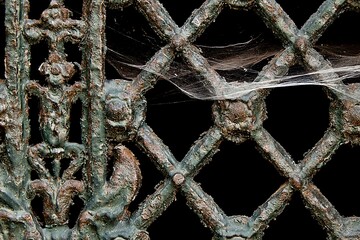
(113, 112)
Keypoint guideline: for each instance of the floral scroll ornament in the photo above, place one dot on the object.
(52, 182)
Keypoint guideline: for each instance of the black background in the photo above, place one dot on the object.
(238, 178)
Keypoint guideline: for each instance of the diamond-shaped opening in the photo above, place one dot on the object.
(239, 62)
(340, 45)
(75, 122)
(301, 122)
(181, 10)
(151, 176)
(237, 30)
(39, 54)
(177, 119)
(341, 31)
(300, 11)
(178, 222)
(34, 112)
(138, 43)
(2, 40)
(240, 51)
(239, 178)
(75, 6)
(295, 223)
(37, 7)
(338, 180)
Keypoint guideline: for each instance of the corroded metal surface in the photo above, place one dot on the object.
(114, 113)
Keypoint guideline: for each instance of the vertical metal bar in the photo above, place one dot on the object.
(94, 53)
(16, 74)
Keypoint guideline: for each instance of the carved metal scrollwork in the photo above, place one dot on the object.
(42, 181)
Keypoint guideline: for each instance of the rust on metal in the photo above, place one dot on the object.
(102, 172)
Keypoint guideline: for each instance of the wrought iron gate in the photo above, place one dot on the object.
(57, 168)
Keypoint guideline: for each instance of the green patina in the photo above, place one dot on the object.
(114, 113)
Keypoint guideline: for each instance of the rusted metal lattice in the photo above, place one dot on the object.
(113, 112)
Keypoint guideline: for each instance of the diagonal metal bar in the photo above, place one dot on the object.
(158, 17)
(200, 19)
(154, 69)
(269, 210)
(286, 28)
(167, 164)
(278, 20)
(158, 152)
(314, 27)
(301, 39)
(282, 24)
(154, 205)
(213, 81)
(320, 154)
(203, 205)
(201, 152)
(178, 175)
(323, 210)
(179, 39)
(299, 176)
(318, 22)
(275, 153)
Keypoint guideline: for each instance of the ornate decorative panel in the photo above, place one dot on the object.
(68, 177)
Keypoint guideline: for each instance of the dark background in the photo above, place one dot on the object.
(238, 178)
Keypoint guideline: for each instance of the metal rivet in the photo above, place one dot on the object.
(178, 179)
